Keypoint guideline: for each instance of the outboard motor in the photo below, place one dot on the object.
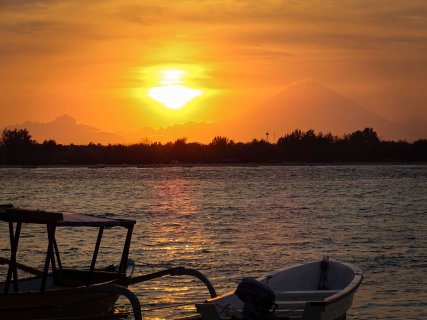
(258, 299)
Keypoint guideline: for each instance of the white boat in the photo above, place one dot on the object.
(322, 290)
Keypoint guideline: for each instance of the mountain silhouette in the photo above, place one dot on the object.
(307, 104)
(66, 130)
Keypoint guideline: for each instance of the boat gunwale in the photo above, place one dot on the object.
(62, 289)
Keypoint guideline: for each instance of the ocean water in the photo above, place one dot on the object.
(237, 221)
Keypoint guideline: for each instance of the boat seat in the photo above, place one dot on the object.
(288, 314)
(210, 311)
(290, 304)
(303, 295)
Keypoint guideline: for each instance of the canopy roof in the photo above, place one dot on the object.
(60, 219)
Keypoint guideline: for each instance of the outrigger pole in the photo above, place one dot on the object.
(177, 271)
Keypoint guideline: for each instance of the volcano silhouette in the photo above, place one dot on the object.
(307, 104)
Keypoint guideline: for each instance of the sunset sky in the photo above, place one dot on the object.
(97, 60)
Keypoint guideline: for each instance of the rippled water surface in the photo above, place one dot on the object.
(233, 222)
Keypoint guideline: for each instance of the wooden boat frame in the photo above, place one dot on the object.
(16, 217)
(98, 285)
(95, 290)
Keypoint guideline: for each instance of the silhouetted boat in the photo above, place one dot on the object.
(56, 292)
(319, 290)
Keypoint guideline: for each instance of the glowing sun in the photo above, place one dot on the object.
(171, 92)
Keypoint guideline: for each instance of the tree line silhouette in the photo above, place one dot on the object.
(18, 148)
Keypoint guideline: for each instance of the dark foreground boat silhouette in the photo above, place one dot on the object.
(319, 290)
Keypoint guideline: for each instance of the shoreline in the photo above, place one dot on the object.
(216, 164)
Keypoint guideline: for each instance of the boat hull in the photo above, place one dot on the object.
(61, 304)
(65, 297)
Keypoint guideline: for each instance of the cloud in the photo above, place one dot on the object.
(326, 31)
(272, 12)
(30, 26)
(24, 4)
(66, 130)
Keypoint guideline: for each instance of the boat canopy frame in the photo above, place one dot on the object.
(16, 217)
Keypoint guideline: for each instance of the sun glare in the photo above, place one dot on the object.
(171, 91)
(173, 96)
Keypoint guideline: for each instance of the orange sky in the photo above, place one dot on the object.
(89, 59)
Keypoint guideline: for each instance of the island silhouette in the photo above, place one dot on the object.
(18, 148)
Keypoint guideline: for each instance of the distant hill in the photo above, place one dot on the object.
(66, 130)
(307, 104)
